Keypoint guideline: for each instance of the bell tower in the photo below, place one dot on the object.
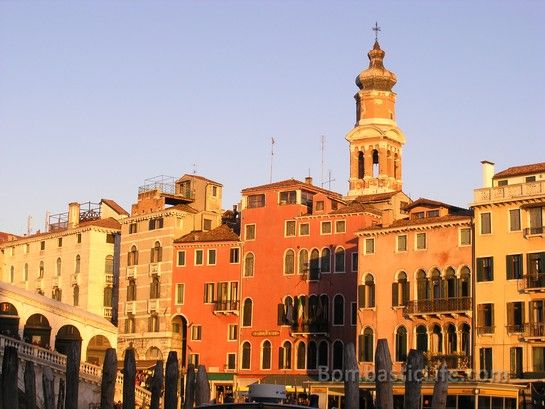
(375, 141)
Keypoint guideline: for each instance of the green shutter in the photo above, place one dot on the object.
(361, 296)
(509, 267)
(395, 297)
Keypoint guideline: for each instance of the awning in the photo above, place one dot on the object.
(288, 380)
(220, 376)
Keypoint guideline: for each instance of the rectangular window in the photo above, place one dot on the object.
(232, 334)
(418, 215)
(530, 179)
(515, 317)
(465, 236)
(340, 226)
(326, 227)
(402, 243)
(133, 228)
(421, 241)
(181, 258)
(536, 263)
(353, 313)
(288, 197)
(155, 223)
(369, 246)
(289, 229)
(194, 359)
(515, 362)
(536, 220)
(42, 245)
(79, 238)
(231, 361)
(196, 332)
(208, 293)
(503, 182)
(207, 224)
(211, 257)
(355, 261)
(199, 258)
(320, 205)
(234, 255)
(249, 232)
(485, 318)
(514, 220)
(110, 238)
(59, 242)
(432, 213)
(538, 359)
(179, 293)
(304, 229)
(513, 266)
(486, 223)
(214, 191)
(485, 360)
(485, 269)
(254, 201)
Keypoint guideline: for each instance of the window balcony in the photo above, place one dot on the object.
(131, 271)
(39, 283)
(311, 328)
(154, 269)
(74, 279)
(515, 328)
(153, 305)
(485, 330)
(454, 361)
(109, 279)
(130, 307)
(56, 281)
(502, 193)
(532, 283)
(439, 306)
(108, 313)
(534, 331)
(226, 307)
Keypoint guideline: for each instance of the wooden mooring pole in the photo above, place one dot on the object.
(72, 375)
(30, 385)
(440, 389)
(171, 381)
(413, 379)
(48, 386)
(351, 378)
(156, 385)
(383, 376)
(129, 379)
(202, 387)
(189, 392)
(10, 371)
(109, 375)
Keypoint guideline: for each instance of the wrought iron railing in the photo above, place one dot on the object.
(453, 361)
(311, 327)
(534, 329)
(529, 231)
(225, 306)
(532, 281)
(438, 305)
(485, 329)
(515, 328)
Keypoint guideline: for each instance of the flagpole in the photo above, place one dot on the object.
(272, 156)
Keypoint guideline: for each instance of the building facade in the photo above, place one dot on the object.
(510, 272)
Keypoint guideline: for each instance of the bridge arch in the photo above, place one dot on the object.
(9, 320)
(37, 331)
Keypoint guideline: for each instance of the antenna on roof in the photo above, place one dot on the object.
(329, 180)
(29, 225)
(194, 168)
(323, 148)
(272, 156)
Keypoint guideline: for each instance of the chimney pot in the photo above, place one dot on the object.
(488, 173)
(308, 180)
(73, 214)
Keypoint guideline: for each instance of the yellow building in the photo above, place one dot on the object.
(166, 209)
(73, 261)
(510, 272)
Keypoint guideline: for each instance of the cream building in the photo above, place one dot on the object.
(73, 262)
(510, 272)
(166, 210)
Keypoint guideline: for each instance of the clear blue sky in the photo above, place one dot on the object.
(96, 96)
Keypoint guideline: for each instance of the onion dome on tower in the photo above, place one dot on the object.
(376, 77)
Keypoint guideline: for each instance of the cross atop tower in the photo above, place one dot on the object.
(376, 29)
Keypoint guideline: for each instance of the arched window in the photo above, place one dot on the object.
(266, 355)
(323, 352)
(361, 165)
(109, 265)
(25, 273)
(155, 287)
(289, 260)
(452, 339)
(156, 253)
(108, 295)
(59, 266)
(325, 261)
(376, 168)
(466, 340)
(400, 290)
(422, 285)
(249, 265)
(437, 339)
(421, 338)
(366, 342)
(314, 264)
(339, 260)
(247, 313)
(41, 270)
(338, 352)
(338, 310)
(401, 344)
(131, 290)
(301, 355)
(246, 355)
(313, 309)
(284, 356)
(77, 269)
(153, 322)
(287, 312)
(312, 352)
(396, 167)
(465, 282)
(132, 258)
(301, 312)
(76, 295)
(451, 283)
(57, 294)
(436, 284)
(370, 291)
(324, 308)
(303, 261)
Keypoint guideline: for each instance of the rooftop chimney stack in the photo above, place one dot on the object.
(73, 215)
(308, 180)
(488, 173)
(387, 217)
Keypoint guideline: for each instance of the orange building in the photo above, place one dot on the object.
(205, 301)
(414, 286)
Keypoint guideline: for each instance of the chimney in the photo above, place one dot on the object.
(387, 217)
(488, 173)
(308, 180)
(73, 214)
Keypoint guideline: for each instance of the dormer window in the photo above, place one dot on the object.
(433, 213)
(289, 197)
(504, 182)
(418, 215)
